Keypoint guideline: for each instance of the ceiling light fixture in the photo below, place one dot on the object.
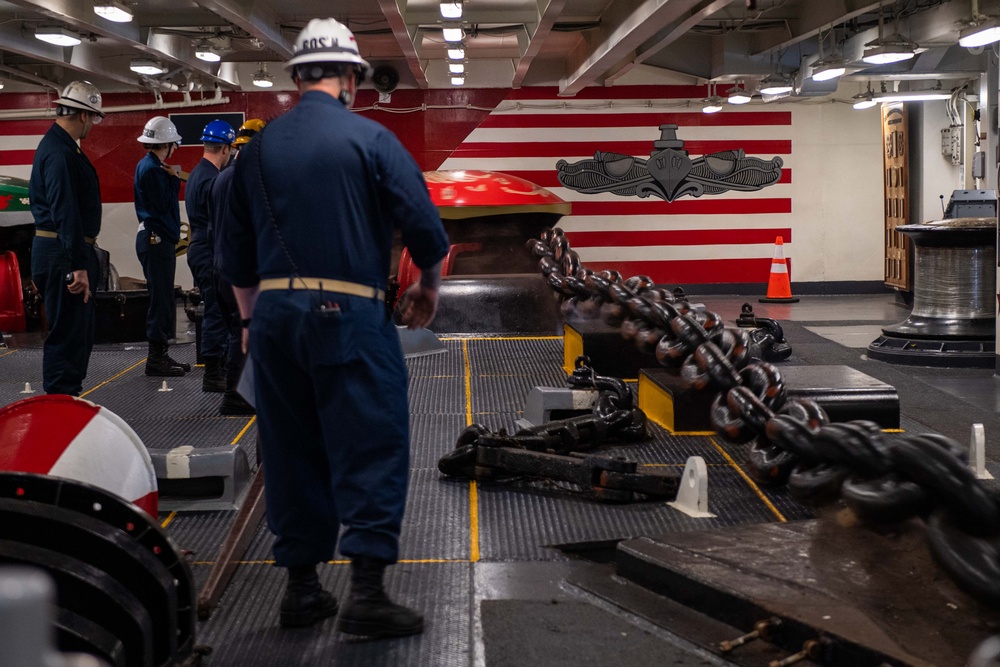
(712, 105)
(146, 66)
(775, 84)
(451, 9)
(885, 50)
(864, 100)
(113, 10)
(205, 51)
(57, 35)
(738, 95)
(261, 78)
(456, 68)
(458, 80)
(825, 69)
(981, 31)
(453, 33)
(456, 52)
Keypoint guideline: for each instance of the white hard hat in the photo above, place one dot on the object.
(159, 130)
(81, 95)
(326, 41)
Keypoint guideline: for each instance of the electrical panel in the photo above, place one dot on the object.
(951, 144)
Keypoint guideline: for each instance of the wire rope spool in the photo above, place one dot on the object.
(952, 322)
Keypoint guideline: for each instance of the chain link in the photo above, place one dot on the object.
(790, 440)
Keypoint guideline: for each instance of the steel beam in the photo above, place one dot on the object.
(405, 36)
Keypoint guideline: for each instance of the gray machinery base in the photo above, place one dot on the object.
(209, 478)
(914, 350)
(513, 303)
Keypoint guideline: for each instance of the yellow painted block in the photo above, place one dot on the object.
(572, 348)
(657, 403)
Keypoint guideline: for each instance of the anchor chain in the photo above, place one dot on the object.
(790, 440)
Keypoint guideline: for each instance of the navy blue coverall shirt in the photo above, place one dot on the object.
(66, 200)
(199, 205)
(330, 379)
(159, 213)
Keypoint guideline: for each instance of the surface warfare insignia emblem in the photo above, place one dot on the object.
(669, 172)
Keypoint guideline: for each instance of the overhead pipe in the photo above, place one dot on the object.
(187, 102)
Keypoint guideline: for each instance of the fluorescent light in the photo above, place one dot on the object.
(913, 96)
(457, 80)
(456, 68)
(886, 50)
(452, 9)
(866, 103)
(262, 79)
(207, 52)
(456, 53)
(1, 85)
(453, 34)
(146, 66)
(981, 34)
(113, 10)
(712, 105)
(57, 35)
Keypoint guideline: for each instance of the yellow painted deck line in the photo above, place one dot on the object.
(8, 353)
(750, 482)
(93, 389)
(503, 338)
(166, 522)
(473, 492)
(242, 432)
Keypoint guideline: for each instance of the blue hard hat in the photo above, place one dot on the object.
(218, 132)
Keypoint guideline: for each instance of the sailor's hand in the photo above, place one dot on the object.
(79, 284)
(418, 306)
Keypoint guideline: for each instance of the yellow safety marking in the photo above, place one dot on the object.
(468, 382)
(166, 522)
(8, 353)
(245, 429)
(750, 482)
(503, 338)
(473, 493)
(894, 430)
(473, 522)
(93, 389)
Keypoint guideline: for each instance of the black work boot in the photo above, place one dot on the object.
(233, 404)
(214, 379)
(369, 611)
(305, 602)
(184, 367)
(158, 364)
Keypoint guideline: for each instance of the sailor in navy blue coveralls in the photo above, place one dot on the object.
(217, 137)
(313, 235)
(158, 210)
(66, 203)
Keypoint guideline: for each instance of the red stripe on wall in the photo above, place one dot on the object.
(548, 178)
(701, 272)
(618, 93)
(14, 127)
(633, 239)
(684, 206)
(651, 120)
(19, 157)
(557, 149)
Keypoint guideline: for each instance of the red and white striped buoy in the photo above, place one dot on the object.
(72, 438)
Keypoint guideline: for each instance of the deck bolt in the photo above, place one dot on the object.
(761, 630)
(810, 649)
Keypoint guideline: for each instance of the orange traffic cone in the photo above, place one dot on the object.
(779, 289)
